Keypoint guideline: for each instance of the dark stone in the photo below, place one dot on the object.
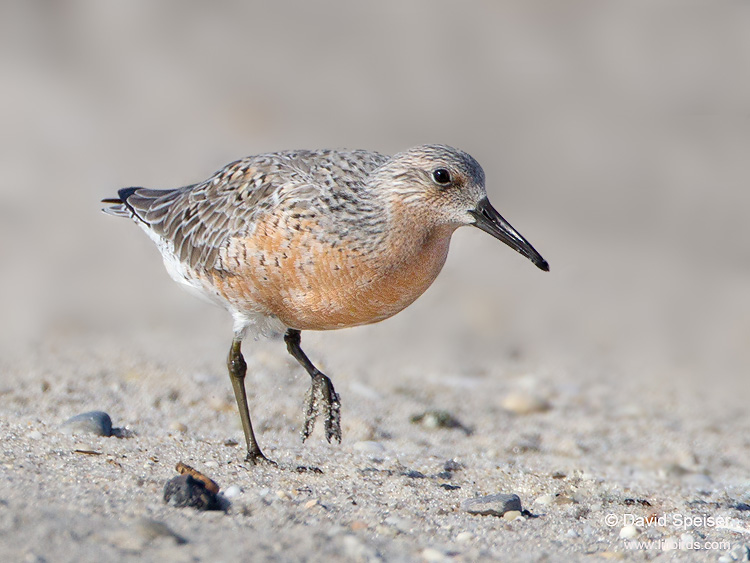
(448, 486)
(185, 491)
(98, 423)
(492, 505)
(452, 465)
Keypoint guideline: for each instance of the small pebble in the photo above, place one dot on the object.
(386, 531)
(312, 503)
(186, 491)
(308, 469)
(628, 532)
(94, 422)
(512, 515)
(464, 537)
(492, 505)
(35, 435)
(431, 554)
(635, 501)
(452, 465)
(233, 491)
(212, 464)
(178, 427)
(85, 448)
(524, 403)
(449, 487)
(438, 419)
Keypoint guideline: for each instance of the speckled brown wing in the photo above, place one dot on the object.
(198, 220)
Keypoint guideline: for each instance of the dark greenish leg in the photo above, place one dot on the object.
(321, 398)
(237, 369)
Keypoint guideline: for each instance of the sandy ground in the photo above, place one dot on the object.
(611, 391)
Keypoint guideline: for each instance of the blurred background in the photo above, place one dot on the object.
(615, 136)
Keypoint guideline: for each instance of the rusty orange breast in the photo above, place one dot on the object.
(316, 285)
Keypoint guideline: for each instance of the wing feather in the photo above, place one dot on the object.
(196, 221)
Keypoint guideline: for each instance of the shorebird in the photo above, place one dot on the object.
(316, 240)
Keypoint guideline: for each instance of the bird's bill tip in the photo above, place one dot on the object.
(490, 221)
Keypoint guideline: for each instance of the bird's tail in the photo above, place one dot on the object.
(117, 205)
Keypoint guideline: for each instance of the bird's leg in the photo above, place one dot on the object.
(321, 398)
(237, 369)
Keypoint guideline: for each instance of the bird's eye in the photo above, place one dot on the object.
(441, 176)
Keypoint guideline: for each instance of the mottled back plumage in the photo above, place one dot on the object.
(198, 219)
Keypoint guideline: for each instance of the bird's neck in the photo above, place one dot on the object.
(417, 245)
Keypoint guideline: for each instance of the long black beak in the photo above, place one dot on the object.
(490, 221)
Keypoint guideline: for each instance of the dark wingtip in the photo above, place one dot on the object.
(119, 205)
(125, 193)
(543, 265)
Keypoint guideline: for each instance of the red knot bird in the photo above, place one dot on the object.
(316, 240)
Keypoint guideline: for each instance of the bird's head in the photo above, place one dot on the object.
(447, 185)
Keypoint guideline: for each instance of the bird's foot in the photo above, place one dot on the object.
(322, 399)
(257, 458)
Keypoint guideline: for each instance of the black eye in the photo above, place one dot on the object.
(441, 176)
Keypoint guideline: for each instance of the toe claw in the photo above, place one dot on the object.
(257, 458)
(322, 399)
